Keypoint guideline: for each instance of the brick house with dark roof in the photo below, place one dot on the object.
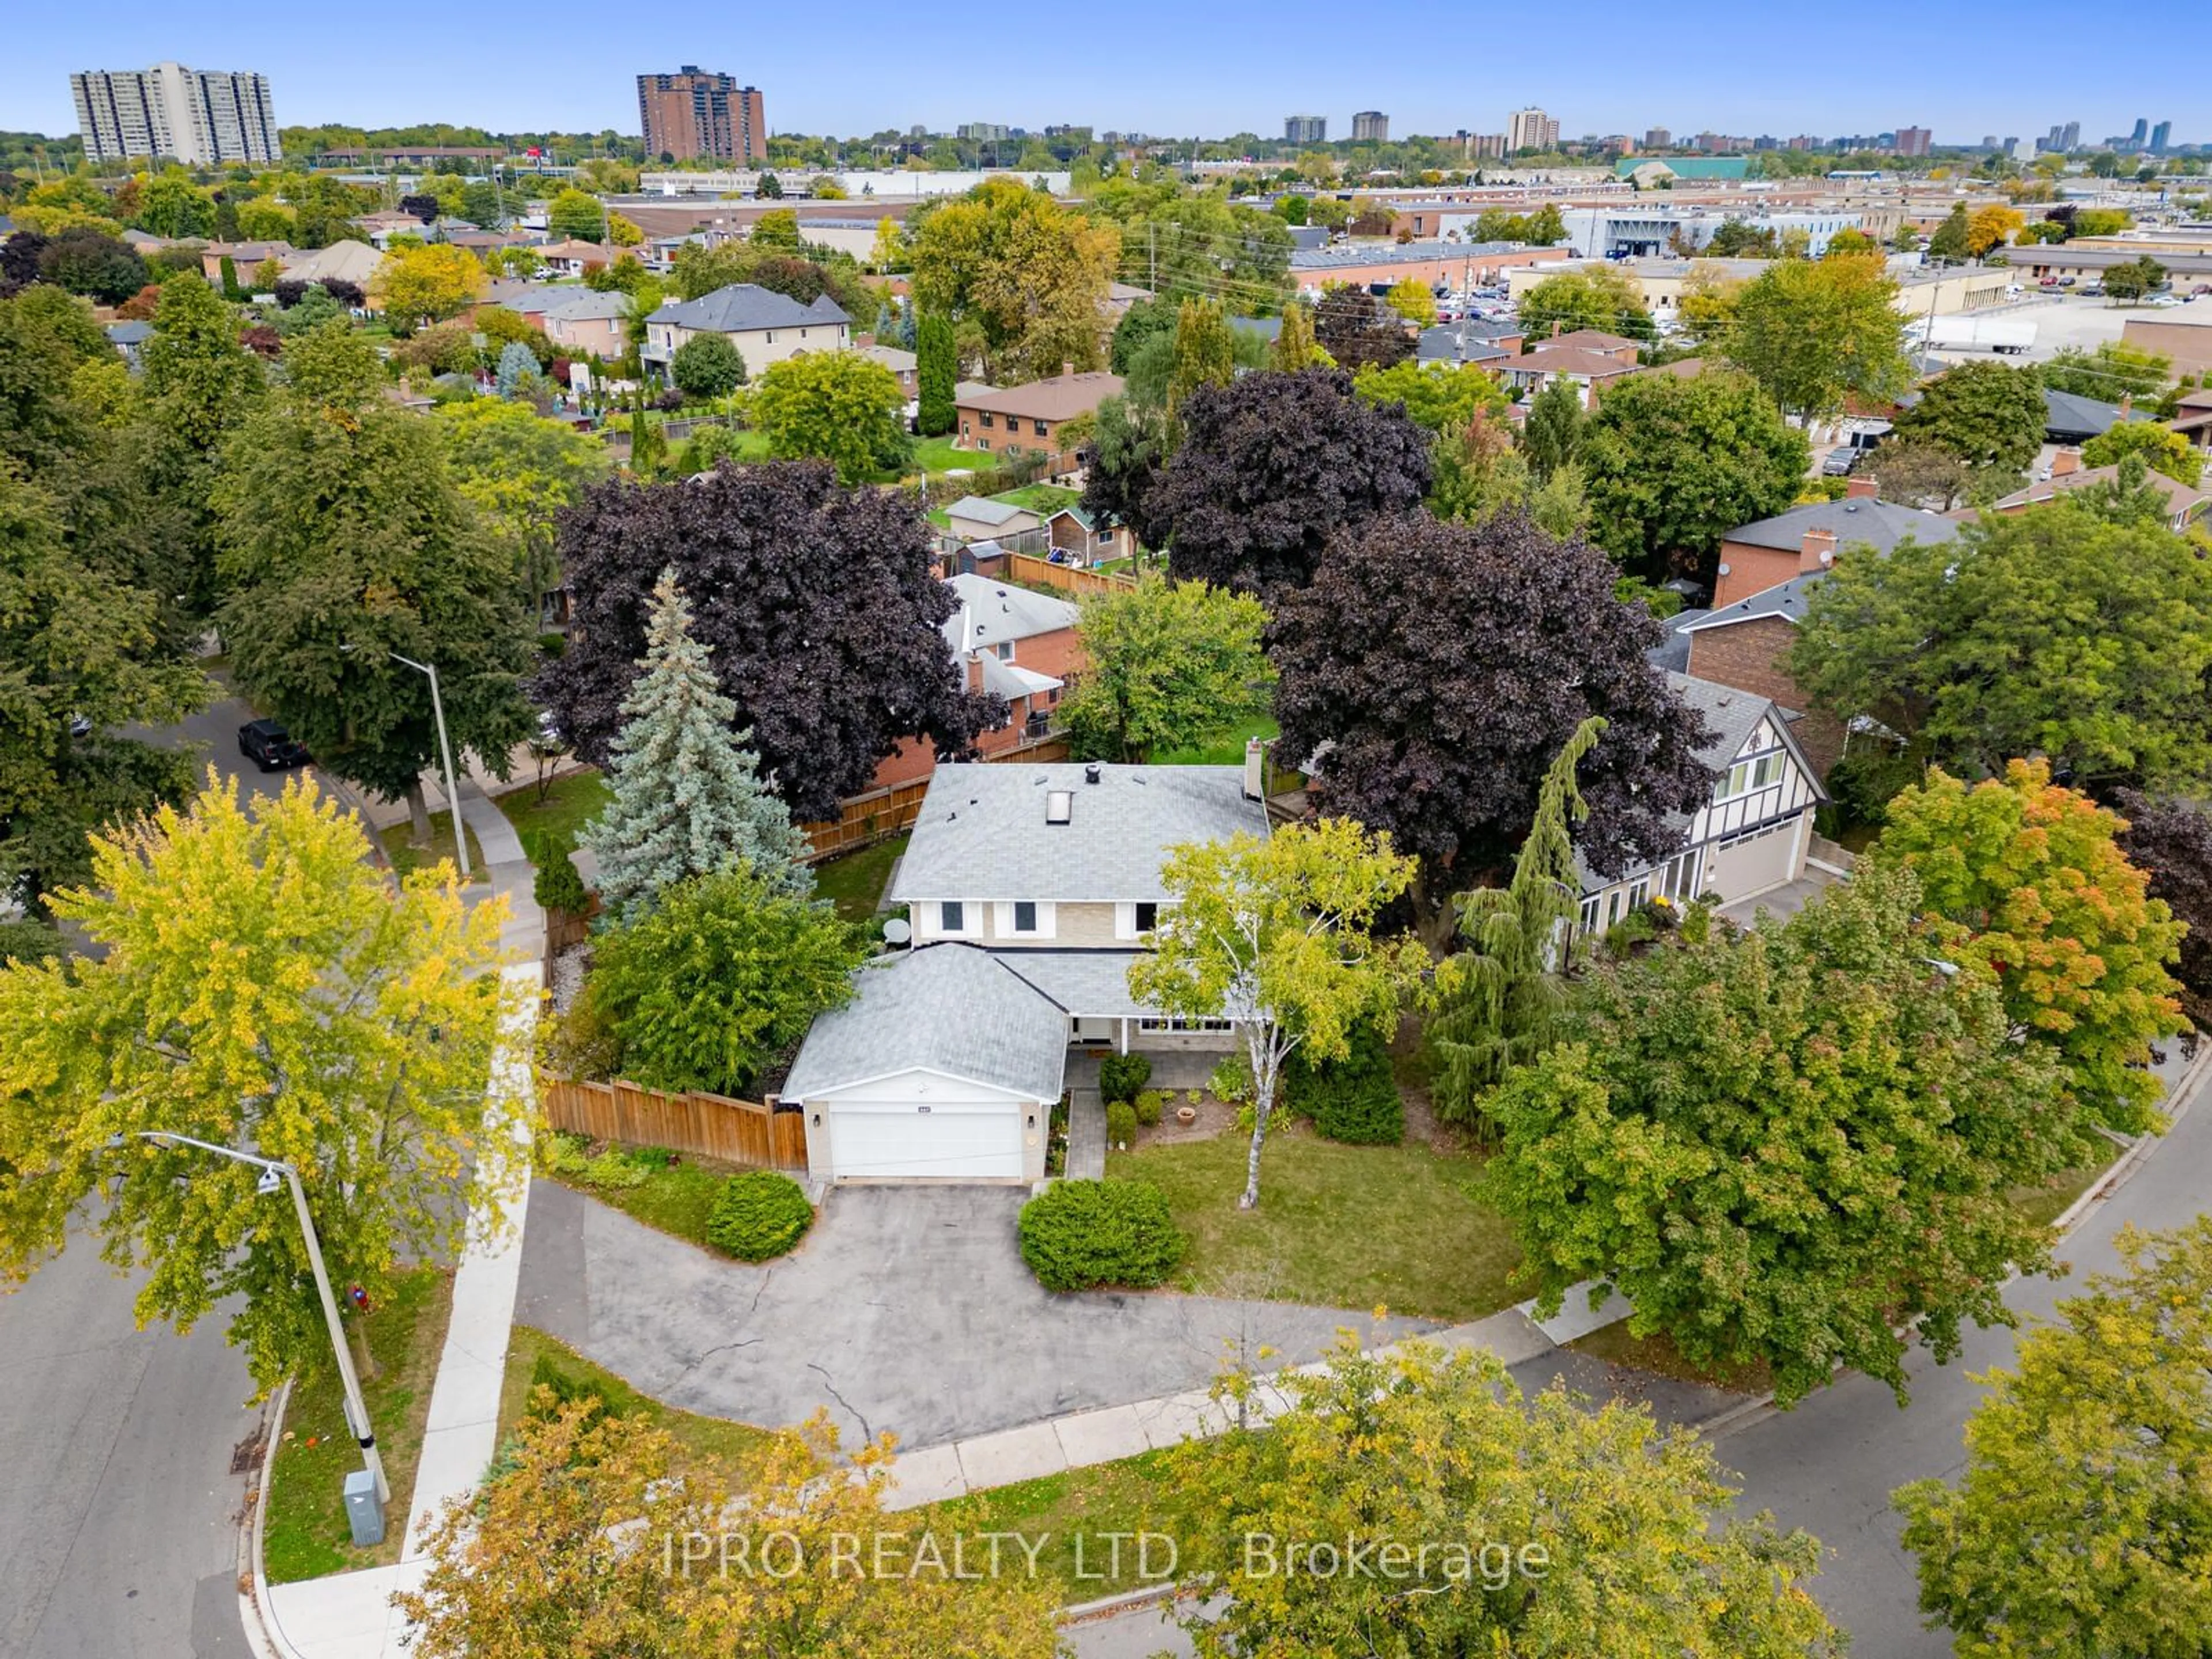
(1754, 557)
(1028, 419)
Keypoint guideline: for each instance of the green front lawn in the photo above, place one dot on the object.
(1040, 498)
(938, 455)
(406, 856)
(308, 1534)
(573, 799)
(716, 1444)
(1355, 1227)
(1131, 1495)
(855, 882)
(1227, 748)
(676, 1200)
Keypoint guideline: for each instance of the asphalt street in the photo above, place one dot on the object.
(117, 1536)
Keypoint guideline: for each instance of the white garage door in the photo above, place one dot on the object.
(943, 1140)
(1753, 865)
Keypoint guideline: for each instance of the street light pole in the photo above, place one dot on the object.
(446, 753)
(364, 1433)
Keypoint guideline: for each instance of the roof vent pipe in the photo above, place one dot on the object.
(1090, 772)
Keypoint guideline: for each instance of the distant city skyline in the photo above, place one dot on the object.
(1156, 68)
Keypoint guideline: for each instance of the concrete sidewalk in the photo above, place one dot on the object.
(349, 1615)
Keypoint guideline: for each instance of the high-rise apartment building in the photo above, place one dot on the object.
(1305, 129)
(1371, 126)
(693, 113)
(2161, 135)
(200, 117)
(2141, 135)
(1531, 129)
(2069, 137)
(1913, 141)
(1658, 138)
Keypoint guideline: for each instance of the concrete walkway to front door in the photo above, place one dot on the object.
(907, 1309)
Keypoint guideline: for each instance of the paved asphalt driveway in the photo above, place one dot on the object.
(907, 1309)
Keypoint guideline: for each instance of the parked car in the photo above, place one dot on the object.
(269, 746)
(1840, 463)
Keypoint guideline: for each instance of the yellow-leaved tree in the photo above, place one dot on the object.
(593, 1543)
(254, 983)
(426, 285)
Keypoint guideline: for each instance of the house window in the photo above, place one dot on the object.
(1148, 917)
(964, 429)
(989, 420)
(983, 443)
(1004, 650)
(1612, 907)
(1589, 915)
(1025, 916)
(1043, 430)
(1639, 891)
(1746, 775)
(771, 336)
(953, 917)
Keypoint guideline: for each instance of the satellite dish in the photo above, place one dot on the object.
(897, 931)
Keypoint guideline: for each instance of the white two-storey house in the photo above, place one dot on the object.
(1030, 889)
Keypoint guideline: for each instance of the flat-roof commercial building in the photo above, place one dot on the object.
(200, 117)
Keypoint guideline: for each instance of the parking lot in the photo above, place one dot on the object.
(2079, 322)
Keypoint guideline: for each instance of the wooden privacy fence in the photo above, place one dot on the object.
(862, 819)
(707, 1126)
(1069, 578)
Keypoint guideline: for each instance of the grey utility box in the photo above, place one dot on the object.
(362, 1509)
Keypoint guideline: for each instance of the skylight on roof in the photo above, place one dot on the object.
(1058, 806)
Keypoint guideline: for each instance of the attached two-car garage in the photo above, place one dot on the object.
(944, 1066)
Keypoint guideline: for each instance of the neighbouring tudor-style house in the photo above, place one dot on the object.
(1751, 837)
(1031, 890)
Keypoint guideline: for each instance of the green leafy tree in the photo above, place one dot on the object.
(518, 470)
(1438, 397)
(171, 205)
(1167, 666)
(256, 983)
(2077, 1525)
(1416, 1444)
(1294, 346)
(1203, 353)
(2134, 278)
(342, 539)
(1673, 465)
(1498, 1000)
(1951, 645)
(1552, 435)
(720, 975)
(313, 309)
(832, 406)
(1478, 470)
(2061, 920)
(1786, 1146)
(1279, 935)
(576, 216)
(2114, 369)
(1596, 297)
(1952, 240)
(688, 797)
(2161, 449)
(937, 371)
(707, 366)
(1412, 300)
(1030, 273)
(200, 385)
(1987, 414)
(1812, 332)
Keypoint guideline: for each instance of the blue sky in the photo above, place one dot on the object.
(1142, 64)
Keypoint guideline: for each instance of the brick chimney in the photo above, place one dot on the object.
(1559, 327)
(1860, 489)
(2065, 461)
(1818, 552)
(1066, 369)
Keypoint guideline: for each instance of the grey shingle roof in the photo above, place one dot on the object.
(948, 1008)
(1731, 714)
(981, 509)
(2074, 417)
(983, 832)
(1088, 984)
(1786, 599)
(744, 306)
(1673, 652)
(1855, 519)
(996, 611)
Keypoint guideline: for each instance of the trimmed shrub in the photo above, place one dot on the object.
(1150, 1103)
(1231, 1078)
(1079, 1235)
(1354, 1099)
(1120, 1076)
(1121, 1123)
(759, 1214)
(558, 886)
